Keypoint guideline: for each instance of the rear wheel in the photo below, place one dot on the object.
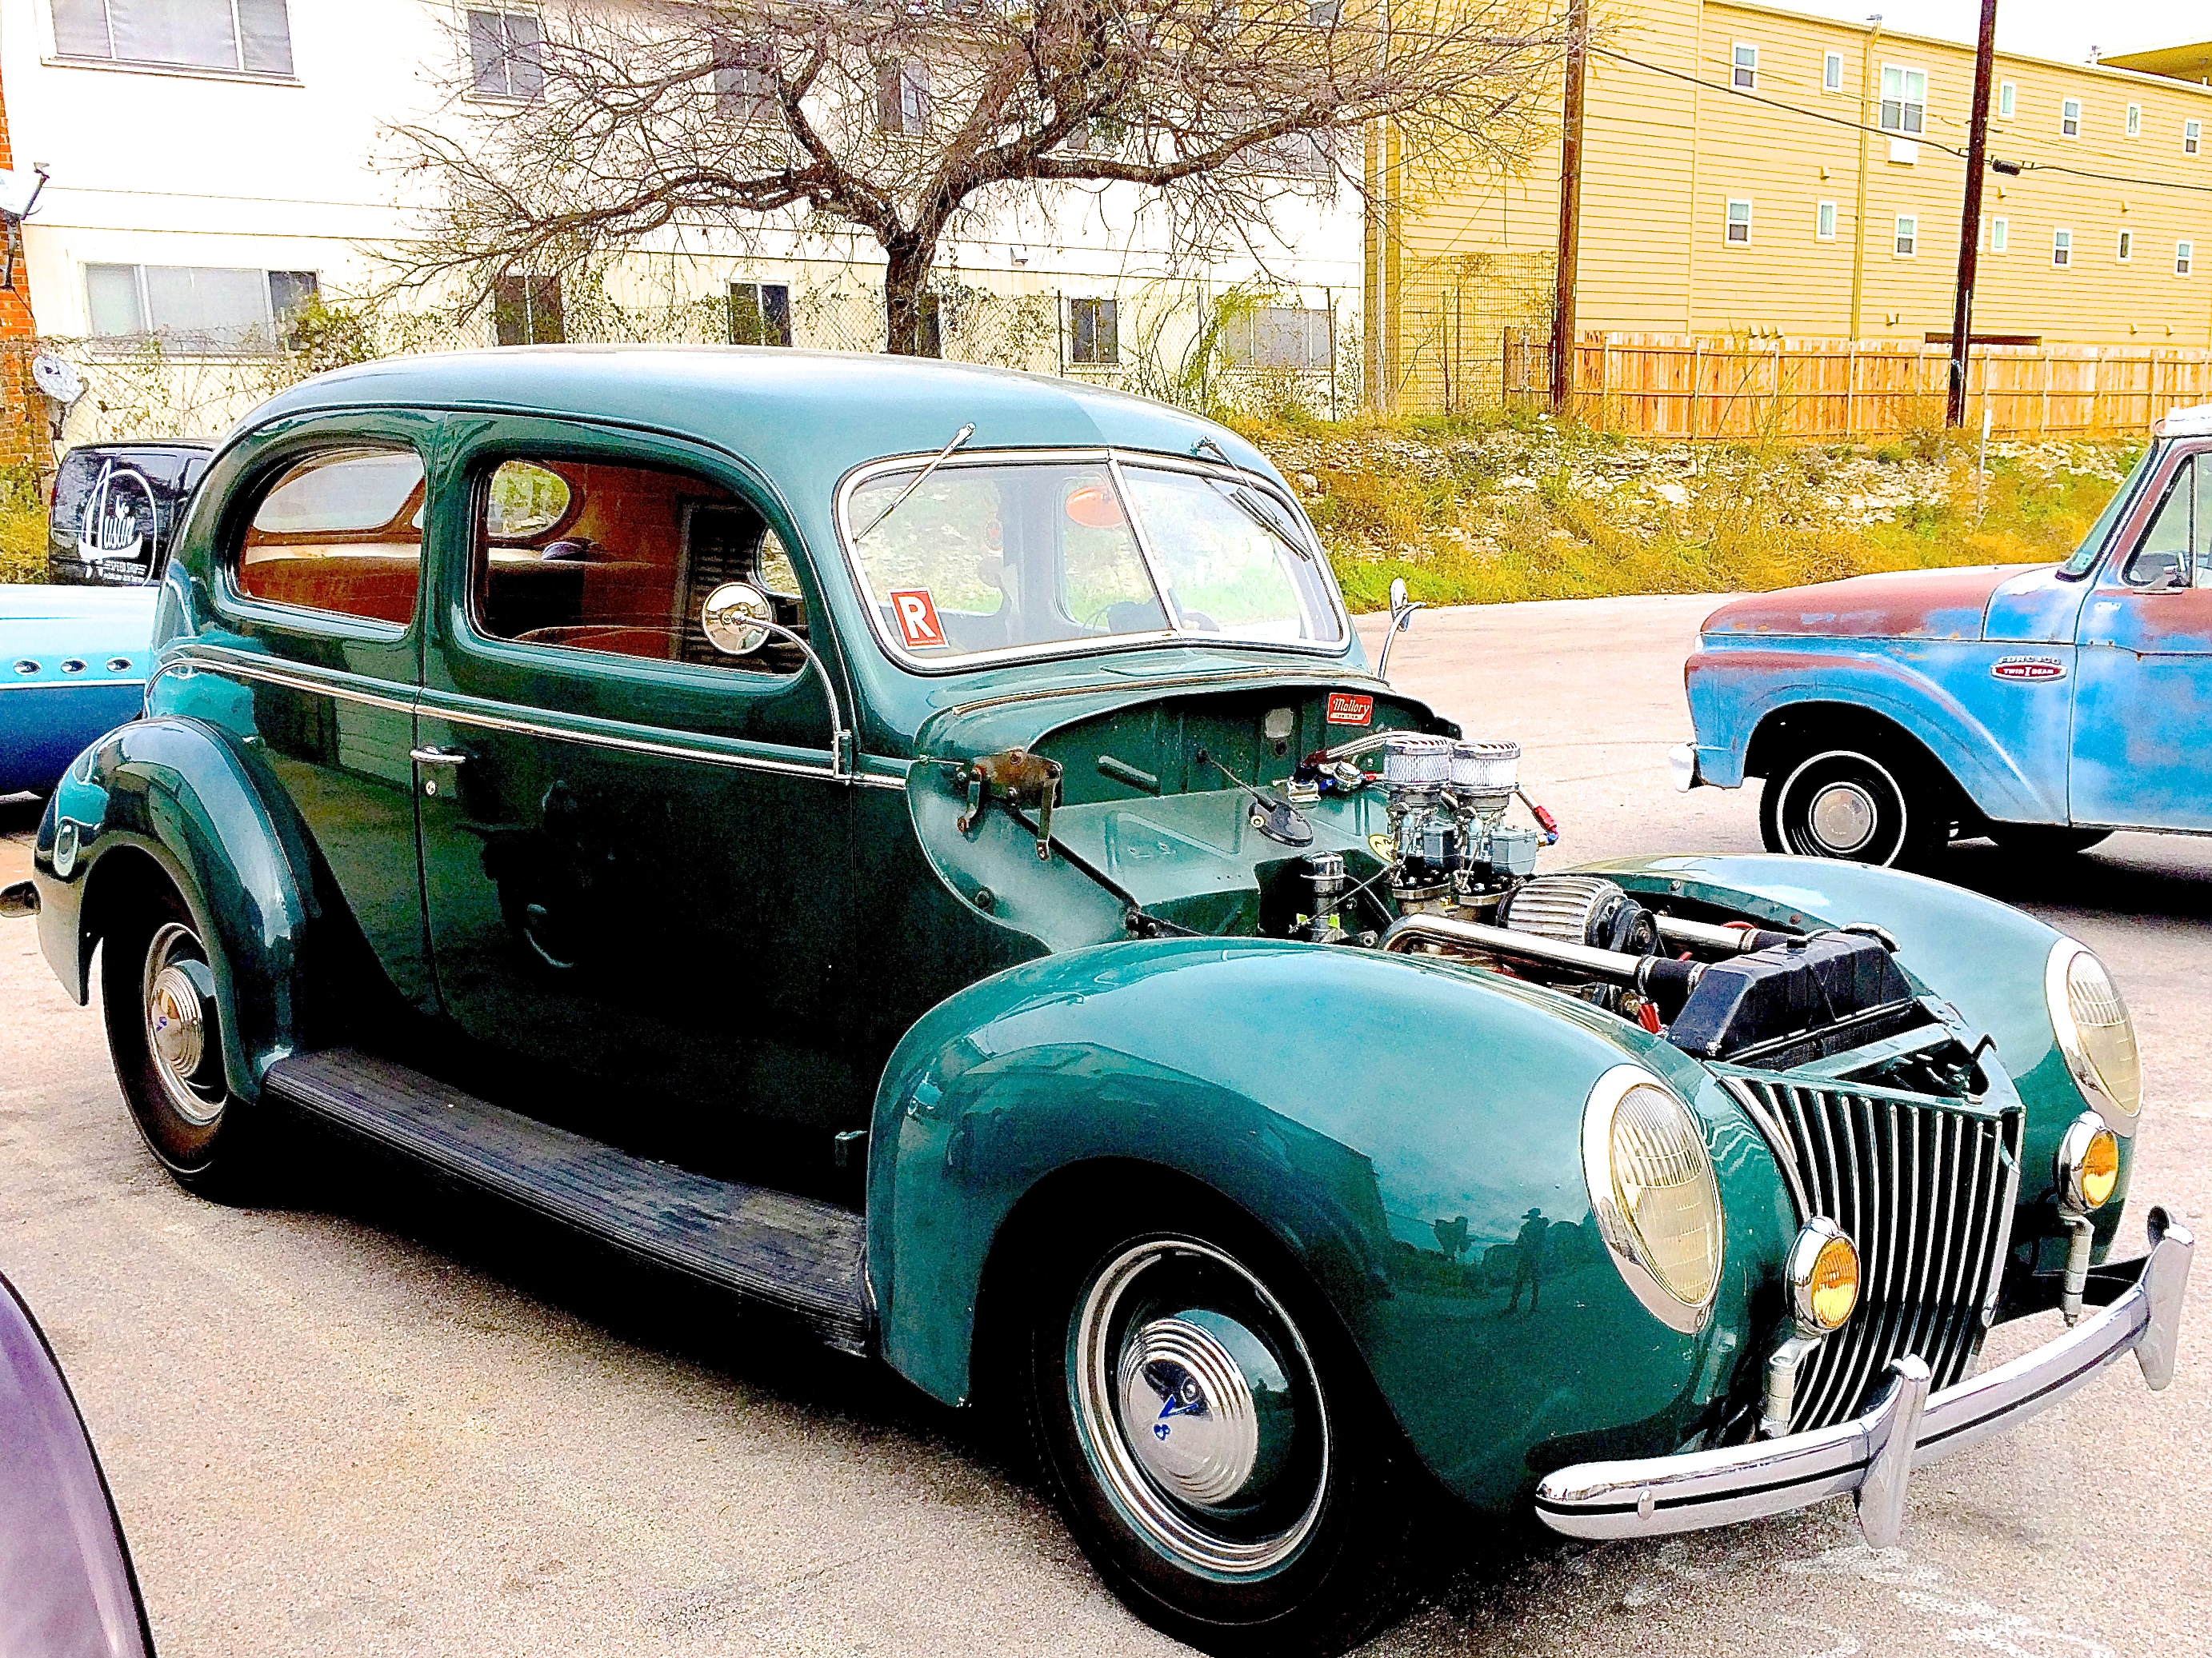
(2045, 839)
(1843, 804)
(165, 1036)
(1213, 1440)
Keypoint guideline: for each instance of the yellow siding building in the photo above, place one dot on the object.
(1751, 172)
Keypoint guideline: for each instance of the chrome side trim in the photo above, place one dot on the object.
(208, 659)
(1649, 1497)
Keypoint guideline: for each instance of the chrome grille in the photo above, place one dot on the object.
(1925, 1187)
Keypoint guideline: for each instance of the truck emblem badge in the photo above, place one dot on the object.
(917, 618)
(2028, 668)
(1346, 709)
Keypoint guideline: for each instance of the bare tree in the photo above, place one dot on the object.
(629, 120)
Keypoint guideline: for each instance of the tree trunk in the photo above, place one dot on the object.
(911, 325)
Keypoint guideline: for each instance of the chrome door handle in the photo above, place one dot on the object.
(437, 756)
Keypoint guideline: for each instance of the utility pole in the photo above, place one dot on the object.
(1970, 222)
(1564, 265)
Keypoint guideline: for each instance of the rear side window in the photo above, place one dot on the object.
(339, 532)
(633, 561)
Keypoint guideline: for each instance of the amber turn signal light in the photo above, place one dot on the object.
(1824, 1277)
(2087, 1166)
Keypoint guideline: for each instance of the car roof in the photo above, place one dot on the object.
(138, 446)
(819, 411)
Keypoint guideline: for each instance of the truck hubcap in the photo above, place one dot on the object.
(1198, 1407)
(1843, 816)
(180, 1002)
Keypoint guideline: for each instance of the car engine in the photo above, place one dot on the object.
(1463, 883)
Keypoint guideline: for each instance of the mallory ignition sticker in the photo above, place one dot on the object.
(917, 618)
(2028, 668)
(1346, 709)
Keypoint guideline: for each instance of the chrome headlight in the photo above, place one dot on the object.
(1652, 1190)
(2094, 1034)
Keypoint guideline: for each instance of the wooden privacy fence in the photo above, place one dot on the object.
(1674, 387)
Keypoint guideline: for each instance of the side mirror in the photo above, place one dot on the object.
(736, 618)
(1402, 618)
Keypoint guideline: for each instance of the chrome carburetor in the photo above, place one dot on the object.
(1447, 801)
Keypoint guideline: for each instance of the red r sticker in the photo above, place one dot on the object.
(917, 618)
(1346, 709)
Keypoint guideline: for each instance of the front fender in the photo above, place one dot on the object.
(2002, 742)
(1390, 1119)
(180, 793)
(1985, 958)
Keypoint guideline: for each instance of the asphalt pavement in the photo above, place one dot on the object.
(372, 1424)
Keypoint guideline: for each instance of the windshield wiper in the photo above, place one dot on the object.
(1255, 506)
(920, 478)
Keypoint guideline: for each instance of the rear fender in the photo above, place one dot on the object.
(180, 794)
(1389, 1119)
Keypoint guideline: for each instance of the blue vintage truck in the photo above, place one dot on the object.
(2045, 705)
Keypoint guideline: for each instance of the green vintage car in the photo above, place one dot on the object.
(921, 849)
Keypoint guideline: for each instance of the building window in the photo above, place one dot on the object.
(2127, 247)
(1736, 227)
(902, 97)
(1094, 332)
(2000, 235)
(1289, 338)
(252, 36)
(1832, 72)
(2185, 255)
(2192, 136)
(1904, 100)
(526, 311)
(744, 81)
(1908, 235)
(2062, 247)
(2070, 119)
(2135, 120)
(505, 56)
(198, 310)
(1324, 13)
(760, 313)
(1824, 222)
(2008, 99)
(1294, 156)
(1743, 67)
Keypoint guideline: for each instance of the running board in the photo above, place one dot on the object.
(799, 1255)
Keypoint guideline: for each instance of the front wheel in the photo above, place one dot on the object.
(1845, 804)
(165, 1036)
(1215, 1446)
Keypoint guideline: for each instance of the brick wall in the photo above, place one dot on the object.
(23, 437)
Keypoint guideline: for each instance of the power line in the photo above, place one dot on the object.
(1885, 132)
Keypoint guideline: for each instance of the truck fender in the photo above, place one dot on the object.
(178, 793)
(1389, 1119)
(1734, 693)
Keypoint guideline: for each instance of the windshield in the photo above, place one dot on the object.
(2085, 556)
(991, 555)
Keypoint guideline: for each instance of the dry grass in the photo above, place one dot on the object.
(1495, 510)
(22, 529)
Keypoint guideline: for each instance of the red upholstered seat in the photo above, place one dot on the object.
(379, 584)
(657, 643)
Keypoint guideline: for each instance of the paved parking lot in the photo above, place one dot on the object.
(366, 1426)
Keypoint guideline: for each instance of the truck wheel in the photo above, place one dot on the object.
(164, 1034)
(1215, 1444)
(2045, 839)
(1842, 803)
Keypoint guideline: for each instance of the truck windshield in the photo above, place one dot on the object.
(2084, 559)
(993, 556)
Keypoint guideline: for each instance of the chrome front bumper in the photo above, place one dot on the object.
(1874, 1455)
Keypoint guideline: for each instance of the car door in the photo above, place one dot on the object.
(635, 853)
(309, 656)
(2143, 702)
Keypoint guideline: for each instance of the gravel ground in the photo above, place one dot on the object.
(373, 1424)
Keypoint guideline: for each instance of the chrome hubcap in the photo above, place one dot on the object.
(1198, 1408)
(179, 998)
(1842, 817)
